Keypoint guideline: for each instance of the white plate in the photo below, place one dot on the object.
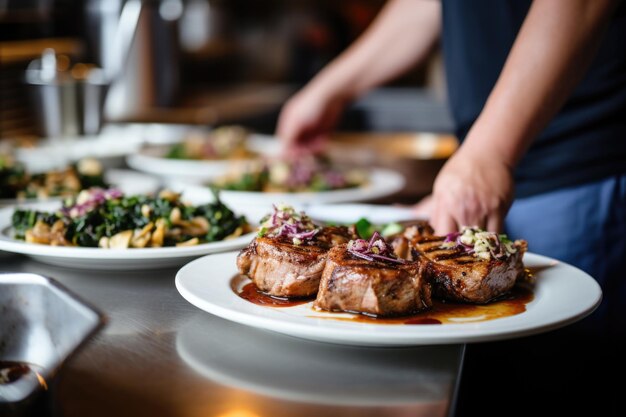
(132, 182)
(108, 259)
(382, 183)
(57, 153)
(153, 161)
(350, 213)
(129, 182)
(563, 295)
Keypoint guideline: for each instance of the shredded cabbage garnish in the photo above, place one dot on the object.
(480, 243)
(88, 200)
(284, 221)
(374, 249)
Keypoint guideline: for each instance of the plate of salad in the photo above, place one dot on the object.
(301, 182)
(20, 185)
(204, 155)
(105, 229)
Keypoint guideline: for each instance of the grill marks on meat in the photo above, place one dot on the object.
(400, 243)
(374, 288)
(280, 268)
(343, 282)
(458, 276)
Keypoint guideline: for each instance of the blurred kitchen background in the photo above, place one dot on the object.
(69, 68)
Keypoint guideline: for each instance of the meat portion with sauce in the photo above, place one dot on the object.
(402, 243)
(376, 288)
(281, 268)
(458, 275)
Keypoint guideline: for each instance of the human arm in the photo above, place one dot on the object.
(551, 53)
(401, 36)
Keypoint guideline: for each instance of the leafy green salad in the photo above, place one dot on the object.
(106, 218)
(292, 175)
(17, 183)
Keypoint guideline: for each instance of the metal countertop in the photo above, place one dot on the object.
(160, 356)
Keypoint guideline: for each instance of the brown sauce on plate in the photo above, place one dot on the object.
(246, 289)
(443, 312)
(12, 371)
(448, 312)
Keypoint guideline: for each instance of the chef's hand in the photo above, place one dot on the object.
(308, 118)
(412, 27)
(561, 37)
(472, 189)
(424, 208)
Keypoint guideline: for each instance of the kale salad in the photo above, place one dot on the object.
(17, 183)
(106, 218)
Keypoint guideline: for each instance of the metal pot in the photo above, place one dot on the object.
(67, 105)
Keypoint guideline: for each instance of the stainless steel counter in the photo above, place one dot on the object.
(161, 356)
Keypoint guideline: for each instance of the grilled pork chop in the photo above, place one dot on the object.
(378, 287)
(281, 268)
(401, 243)
(456, 272)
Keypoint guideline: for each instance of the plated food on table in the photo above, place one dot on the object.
(19, 184)
(107, 219)
(317, 281)
(288, 255)
(226, 142)
(202, 155)
(293, 257)
(101, 225)
(291, 175)
(110, 147)
(248, 169)
(349, 186)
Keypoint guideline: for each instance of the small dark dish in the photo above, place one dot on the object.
(42, 325)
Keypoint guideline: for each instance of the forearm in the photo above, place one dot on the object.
(552, 52)
(400, 37)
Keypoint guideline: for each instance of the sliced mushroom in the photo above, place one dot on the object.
(58, 226)
(174, 233)
(238, 232)
(202, 223)
(42, 194)
(141, 237)
(140, 241)
(89, 166)
(198, 226)
(103, 242)
(40, 233)
(175, 215)
(121, 240)
(57, 234)
(158, 236)
(145, 210)
(32, 237)
(169, 195)
(190, 242)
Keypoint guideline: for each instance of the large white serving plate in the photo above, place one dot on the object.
(108, 259)
(563, 295)
(129, 182)
(382, 183)
(57, 153)
(153, 161)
